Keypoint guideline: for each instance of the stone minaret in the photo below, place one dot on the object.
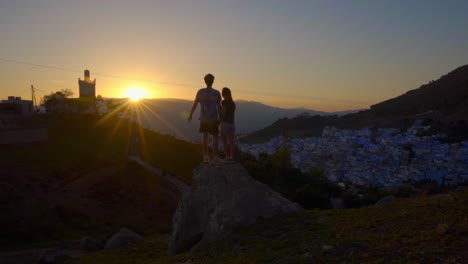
(87, 86)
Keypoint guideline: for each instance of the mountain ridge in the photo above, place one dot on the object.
(448, 94)
(169, 116)
(444, 101)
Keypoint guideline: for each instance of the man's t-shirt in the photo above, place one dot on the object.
(209, 99)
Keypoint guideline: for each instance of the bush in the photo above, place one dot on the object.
(312, 196)
(310, 190)
(404, 190)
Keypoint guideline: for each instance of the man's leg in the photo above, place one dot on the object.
(205, 144)
(215, 145)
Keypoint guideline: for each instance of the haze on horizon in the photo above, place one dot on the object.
(321, 55)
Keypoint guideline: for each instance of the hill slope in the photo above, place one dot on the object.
(80, 182)
(444, 101)
(416, 230)
(447, 95)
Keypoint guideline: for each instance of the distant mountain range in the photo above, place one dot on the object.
(444, 102)
(169, 116)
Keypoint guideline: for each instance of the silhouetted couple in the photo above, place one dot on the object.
(216, 115)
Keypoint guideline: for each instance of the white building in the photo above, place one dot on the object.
(23, 106)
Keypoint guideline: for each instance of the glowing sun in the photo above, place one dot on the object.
(135, 93)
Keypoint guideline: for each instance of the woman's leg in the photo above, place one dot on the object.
(225, 144)
(232, 147)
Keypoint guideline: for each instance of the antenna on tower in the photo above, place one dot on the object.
(33, 95)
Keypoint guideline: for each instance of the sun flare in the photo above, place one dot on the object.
(135, 93)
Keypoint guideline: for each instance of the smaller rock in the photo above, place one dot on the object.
(89, 244)
(337, 203)
(385, 200)
(123, 238)
(328, 247)
(307, 256)
(53, 256)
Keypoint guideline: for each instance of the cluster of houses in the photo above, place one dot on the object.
(58, 103)
(16, 106)
(17, 116)
(383, 157)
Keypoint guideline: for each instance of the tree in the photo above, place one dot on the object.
(281, 158)
(64, 93)
(67, 93)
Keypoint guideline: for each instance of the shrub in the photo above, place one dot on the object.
(310, 190)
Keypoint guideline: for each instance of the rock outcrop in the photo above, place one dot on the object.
(223, 197)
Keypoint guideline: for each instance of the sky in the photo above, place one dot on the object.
(329, 55)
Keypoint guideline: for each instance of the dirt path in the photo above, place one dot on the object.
(178, 183)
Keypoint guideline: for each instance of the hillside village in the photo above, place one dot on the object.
(382, 158)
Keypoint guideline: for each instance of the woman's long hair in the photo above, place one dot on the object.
(226, 93)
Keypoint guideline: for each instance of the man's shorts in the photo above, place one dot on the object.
(227, 128)
(210, 127)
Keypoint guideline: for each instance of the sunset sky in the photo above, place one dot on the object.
(324, 55)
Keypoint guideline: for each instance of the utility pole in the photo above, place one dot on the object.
(33, 95)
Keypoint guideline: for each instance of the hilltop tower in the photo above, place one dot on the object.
(87, 86)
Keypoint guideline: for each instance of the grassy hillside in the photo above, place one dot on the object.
(81, 183)
(172, 155)
(417, 230)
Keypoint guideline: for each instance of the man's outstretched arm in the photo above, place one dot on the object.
(194, 106)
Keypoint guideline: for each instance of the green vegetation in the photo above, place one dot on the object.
(81, 182)
(52, 97)
(311, 190)
(409, 230)
(74, 140)
(175, 156)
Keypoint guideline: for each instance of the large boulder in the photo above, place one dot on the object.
(223, 197)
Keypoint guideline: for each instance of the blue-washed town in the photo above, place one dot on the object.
(386, 157)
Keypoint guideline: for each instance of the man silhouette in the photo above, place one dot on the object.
(210, 103)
